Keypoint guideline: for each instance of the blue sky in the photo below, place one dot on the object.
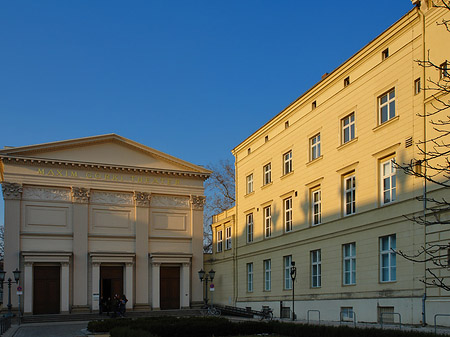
(189, 78)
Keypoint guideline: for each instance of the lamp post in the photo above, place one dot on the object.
(207, 277)
(2, 281)
(293, 276)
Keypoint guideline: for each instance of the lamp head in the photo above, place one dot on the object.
(212, 273)
(16, 275)
(201, 274)
(2, 275)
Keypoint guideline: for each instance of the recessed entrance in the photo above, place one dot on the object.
(169, 288)
(111, 281)
(46, 290)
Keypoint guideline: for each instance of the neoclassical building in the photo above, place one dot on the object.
(318, 185)
(92, 217)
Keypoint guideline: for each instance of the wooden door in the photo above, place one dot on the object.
(46, 290)
(111, 281)
(169, 288)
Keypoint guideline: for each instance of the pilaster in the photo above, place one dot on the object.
(197, 204)
(185, 286)
(155, 286)
(95, 286)
(129, 284)
(65, 288)
(28, 288)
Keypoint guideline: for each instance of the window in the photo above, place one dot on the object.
(249, 227)
(417, 86)
(346, 81)
(349, 261)
(267, 170)
(286, 124)
(388, 266)
(316, 269)
(250, 277)
(288, 215)
(348, 128)
(219, 241)
(386, 106)
(250, 183)
(347, 313)
(314, 105)
(316, 207)
(287, 162)
(287, 272)
(249, 150)
(349, 195)
(444, 70)
(267, 222)
(227, 238)
(385, 54)
(314, 144)
(267, 275)
(388, 181)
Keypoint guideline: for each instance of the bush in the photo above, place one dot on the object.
(124, 331)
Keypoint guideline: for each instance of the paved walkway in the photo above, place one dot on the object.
(57, 329)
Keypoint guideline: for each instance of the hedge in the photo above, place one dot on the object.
(217, 326)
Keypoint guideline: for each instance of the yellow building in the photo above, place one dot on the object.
(316, 185)
(89, 218)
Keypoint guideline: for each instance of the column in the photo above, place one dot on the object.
(197, 203)
(95, 285)
(80, 199)
(142, 203)
(12, 194)
(27, 288)
(155, 286)
(185, 286)
(65, 287)
(129, 284)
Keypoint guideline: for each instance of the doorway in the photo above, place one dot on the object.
(46, 290)
(111, 281)
(169, 288)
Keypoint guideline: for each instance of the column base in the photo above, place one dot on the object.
(80, 309)
(156, 309)
(182, 308)
(197, 304)
(141, 307)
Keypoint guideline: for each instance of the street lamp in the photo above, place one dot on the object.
(205, 276)
(2, 280)
(293, 276)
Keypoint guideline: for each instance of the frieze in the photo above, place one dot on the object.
(80, 195)
(116, 198)
(198, 202)
(12, 191)
(142, 199)
(45, 193)
(170, 201)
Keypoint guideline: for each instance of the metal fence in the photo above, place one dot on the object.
(5, 324)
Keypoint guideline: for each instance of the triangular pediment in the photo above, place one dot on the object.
(107, 150)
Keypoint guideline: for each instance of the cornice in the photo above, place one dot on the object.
(99, 166)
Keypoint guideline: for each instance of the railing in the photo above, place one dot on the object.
(341, 320)
(307, 314)
(5, 324)
(391, 313)
(438, 315)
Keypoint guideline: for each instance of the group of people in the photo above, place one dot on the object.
(116, 305)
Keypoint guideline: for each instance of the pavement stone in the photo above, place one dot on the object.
(57, 329)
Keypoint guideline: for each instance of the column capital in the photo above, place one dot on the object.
(65, 264)
(129, 264)
(142, 199)
(198, 202)
(28, 264)
(12, 191)
(186, 264)
(156, 264)
(95, 264)
(80, 195)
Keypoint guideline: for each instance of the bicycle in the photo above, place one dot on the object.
(211, 311)
(266, 313)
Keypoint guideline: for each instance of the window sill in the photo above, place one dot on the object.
(387, 282)
(354, 140)
(249, 194)
(287, 174)
(267, 185)
(380, 126)
(349, 285)
(314, 160)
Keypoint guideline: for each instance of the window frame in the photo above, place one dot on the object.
(392, 176)
(287, 206)
(287, 162)
(287, 260)
(219, 239)
(250, 277)
(351, 126)
(267, 173)
(314, 203)
(388, 105)
(268, 275)
(444, 70)
(316, 276)
(417, 86)
(315, 147)
(228, 238)
(249, 226)
(249, 183)
(351, 259)
(349, 192)
(267, 221)
(391, 258)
